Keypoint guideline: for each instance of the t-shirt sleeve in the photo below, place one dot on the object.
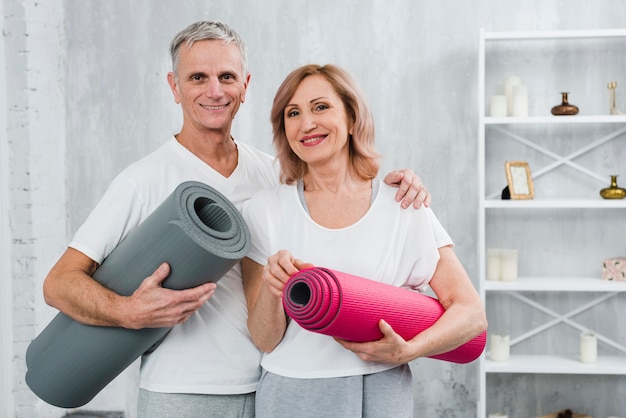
(257, 217)
(118, 212)
(432, 236)
(442, 238)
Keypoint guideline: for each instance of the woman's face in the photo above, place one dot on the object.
(316, 123)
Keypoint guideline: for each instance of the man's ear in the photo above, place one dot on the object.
(171, 80)
(246, 83)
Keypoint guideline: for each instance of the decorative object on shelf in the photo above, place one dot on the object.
(613, 191)
(509, 83)
(497, 106)
(500, 347)
(613, 110)
(565, 108)
(508, 268)
(520, 101)
(588, 347)
(566, 413)
(494, 263)
(501, 264)
(498, 415)
(519, 180)
(614, 269)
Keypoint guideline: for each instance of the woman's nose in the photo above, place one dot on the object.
(308, 123)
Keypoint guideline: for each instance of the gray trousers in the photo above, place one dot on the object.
(383, 394)
(185, 405)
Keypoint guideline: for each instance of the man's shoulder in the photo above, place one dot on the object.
(254, 152)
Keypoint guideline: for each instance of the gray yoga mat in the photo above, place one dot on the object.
(198, 232)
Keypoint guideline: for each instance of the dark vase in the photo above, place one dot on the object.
(565, 108)
(613, 192)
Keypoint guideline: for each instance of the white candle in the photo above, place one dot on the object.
(588, 347)
(498, 415)
(498, 106)
(494, 264)
(520, 100)
(509, 83)
(500, 347)
(508, 270)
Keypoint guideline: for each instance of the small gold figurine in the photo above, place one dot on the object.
(612, 108)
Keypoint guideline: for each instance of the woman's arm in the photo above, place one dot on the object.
(263, 286)
(463, 319)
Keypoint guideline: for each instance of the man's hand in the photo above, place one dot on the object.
(153, 306)
(411, 190)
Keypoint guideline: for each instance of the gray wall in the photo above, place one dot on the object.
(86, 94)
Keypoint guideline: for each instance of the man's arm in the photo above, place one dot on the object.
(70, 288)
(411, 190)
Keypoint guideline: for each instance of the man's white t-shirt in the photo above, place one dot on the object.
(212, 352)
(388, 244)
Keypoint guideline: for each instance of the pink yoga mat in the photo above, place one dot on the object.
(349, 307)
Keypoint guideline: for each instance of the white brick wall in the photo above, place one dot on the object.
(35, 132)
(6, 298)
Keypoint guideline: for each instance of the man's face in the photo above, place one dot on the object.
(209, 84)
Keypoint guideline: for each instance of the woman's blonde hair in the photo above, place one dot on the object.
(363, 155)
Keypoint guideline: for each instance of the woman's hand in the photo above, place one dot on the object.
(279, 268)
(392, 348)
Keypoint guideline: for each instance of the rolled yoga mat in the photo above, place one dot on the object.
(349, 307)
(198, 232)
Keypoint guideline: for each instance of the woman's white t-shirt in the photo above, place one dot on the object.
(388, 244)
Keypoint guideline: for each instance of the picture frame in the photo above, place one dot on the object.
(519, 180)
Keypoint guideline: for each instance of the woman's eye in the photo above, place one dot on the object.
(321, 107)
(292, 113)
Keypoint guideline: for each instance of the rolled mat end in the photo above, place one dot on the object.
(350, 307)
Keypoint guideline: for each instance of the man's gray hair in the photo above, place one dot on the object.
(205, 31)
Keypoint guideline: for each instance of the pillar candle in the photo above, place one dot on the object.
(588, 347)
(500, 347)
(498, 106)
(494, 264)
(498, 415)
(508, 272)
(509, 83)
(520, 100)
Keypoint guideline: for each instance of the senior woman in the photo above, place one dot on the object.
(332, 211)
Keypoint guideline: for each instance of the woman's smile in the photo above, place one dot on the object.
(312, 140)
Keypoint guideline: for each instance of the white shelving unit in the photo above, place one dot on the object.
(522, 132)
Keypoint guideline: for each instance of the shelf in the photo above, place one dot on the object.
(555, 284)
(589, 144)
(556, 204)
(557, 120)
(606, 365)
(561, 34)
